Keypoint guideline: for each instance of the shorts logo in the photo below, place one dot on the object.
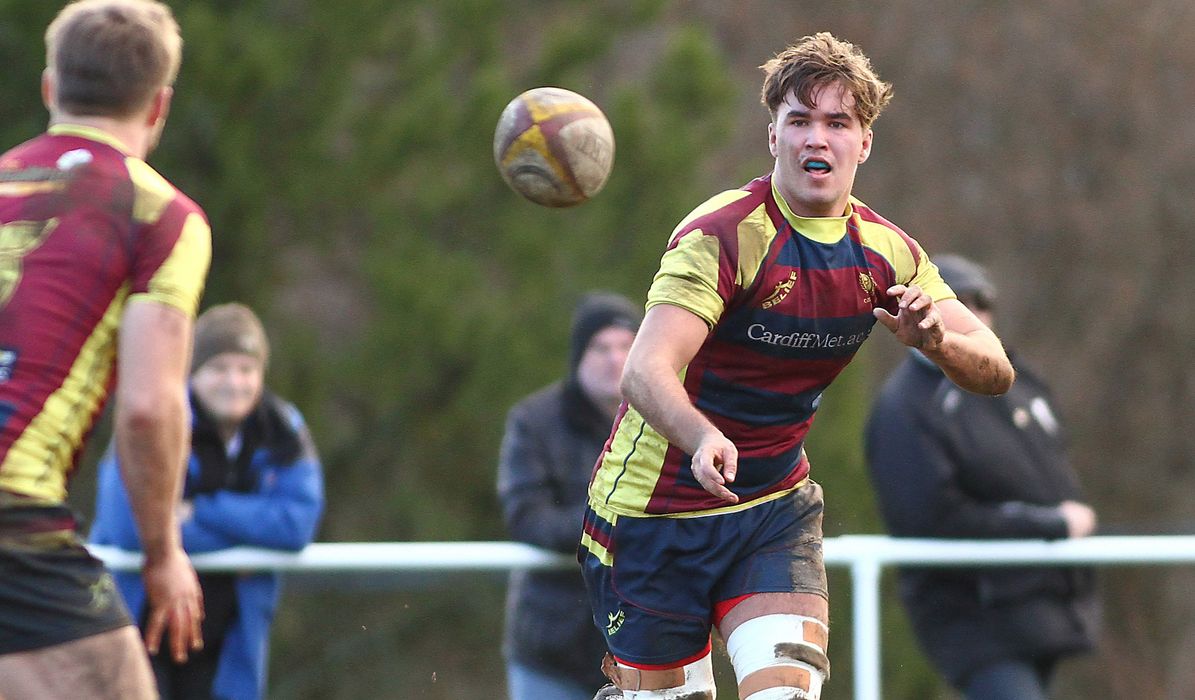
(103, 592)
(614, 622)
(782, 289)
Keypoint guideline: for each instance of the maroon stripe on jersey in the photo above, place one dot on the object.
(727, 217)
(622, 411)
(814, 284)
(760, 371)
(723, 224)
(598, 535)
(69, 279)
(154, 250)
(884, 276)
(670, 496)
(761, 440)
(20, 520)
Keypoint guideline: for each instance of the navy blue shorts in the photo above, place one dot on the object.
(52, 596)
(654, 582)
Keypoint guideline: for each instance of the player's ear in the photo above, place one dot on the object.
(866, 151)
(772, 137)
(159, 106)
(47, 89)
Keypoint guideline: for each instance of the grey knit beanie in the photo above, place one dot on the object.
(229, 328)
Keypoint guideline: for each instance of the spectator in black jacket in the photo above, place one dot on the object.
(553, 438)
(950, 464)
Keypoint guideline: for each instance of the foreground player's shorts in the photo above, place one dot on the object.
(51, 593)
(653, 582)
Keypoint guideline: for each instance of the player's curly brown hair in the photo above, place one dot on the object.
(817, 61)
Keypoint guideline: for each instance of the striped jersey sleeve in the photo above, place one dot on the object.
(174, 251)
(713, 254)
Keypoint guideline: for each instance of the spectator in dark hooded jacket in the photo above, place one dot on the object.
(947, 463)
(553, 437)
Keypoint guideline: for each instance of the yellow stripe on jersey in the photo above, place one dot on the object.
(736, 507)
(24, 189)
(755, 236)
(895, 249)
(636, 440)
(152, 192)
(688, 277)
(605, 556)
(711, 205)
(179, 281)
(34, 464)
(823, 229)
(88, 132)
(688, 274)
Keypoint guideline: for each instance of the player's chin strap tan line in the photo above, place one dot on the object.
(775, 657)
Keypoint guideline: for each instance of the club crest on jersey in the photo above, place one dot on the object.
(868, 285)
(782, 289)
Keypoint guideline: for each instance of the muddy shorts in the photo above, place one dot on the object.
(53, 595)
(654, 582)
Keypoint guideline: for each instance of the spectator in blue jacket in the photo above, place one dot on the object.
(253, 479)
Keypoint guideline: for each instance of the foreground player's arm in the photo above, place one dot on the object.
(948, 333)
(667, 340)
(152, 439)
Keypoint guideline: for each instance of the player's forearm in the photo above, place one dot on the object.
(656, 393)
(975, 361)
(151, 440)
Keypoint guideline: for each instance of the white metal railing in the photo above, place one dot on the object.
(865, 555)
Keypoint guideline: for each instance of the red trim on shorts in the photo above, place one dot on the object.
(665, 667)
(724, 606)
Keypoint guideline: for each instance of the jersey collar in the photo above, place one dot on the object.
(88, 132)
(823, 229)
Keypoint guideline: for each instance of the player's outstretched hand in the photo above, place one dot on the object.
(175, 604)
(918, 322)
(715, 463)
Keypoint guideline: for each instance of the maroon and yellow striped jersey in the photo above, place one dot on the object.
(789, 300)
(84, 228)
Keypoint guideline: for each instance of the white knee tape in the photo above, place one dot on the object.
(699, 678)
(780, 694)
(780, 640)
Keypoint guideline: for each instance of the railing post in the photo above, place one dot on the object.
(865, 594)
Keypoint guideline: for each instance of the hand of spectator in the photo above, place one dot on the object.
(1080, 518)
(918, 322)
(715, 463)
(175, 604)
